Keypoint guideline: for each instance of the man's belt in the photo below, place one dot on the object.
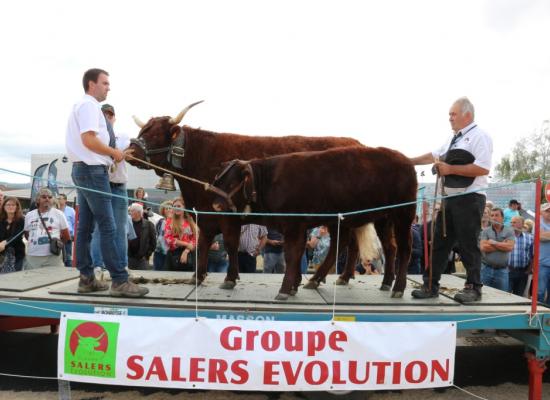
(495, 266)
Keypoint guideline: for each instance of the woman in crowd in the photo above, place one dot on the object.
(12, 224)
(159, 258)
(139, 196)
(181, 236)
(486, 218)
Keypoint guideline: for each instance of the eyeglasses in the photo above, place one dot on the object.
(44, 196)
(10, 205)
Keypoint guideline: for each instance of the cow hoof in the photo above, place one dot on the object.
(341, 282)
(228, 285)
(293, 292)
(311, 285)
(397, 294)
(385, 288)
(281, 296)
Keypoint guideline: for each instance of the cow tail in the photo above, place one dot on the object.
(367, 242)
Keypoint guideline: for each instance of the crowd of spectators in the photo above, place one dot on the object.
(170, 244)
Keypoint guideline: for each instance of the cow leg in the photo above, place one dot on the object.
(403, 237)
(351, 260)
(293, 248)
(384, 229)
(231, 235)
(321, 273)
(330, 260)
(203, 244)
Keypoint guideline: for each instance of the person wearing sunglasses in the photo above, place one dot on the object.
(41, 225)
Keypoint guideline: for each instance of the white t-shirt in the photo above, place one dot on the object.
(39, 243)
(86, 116)
(477, 142)
(118, 173)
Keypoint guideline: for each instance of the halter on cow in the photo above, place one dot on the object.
(176, 150)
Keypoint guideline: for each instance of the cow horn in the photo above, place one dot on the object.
(182, 113)
(138, 121)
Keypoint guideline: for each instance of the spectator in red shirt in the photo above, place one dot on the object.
(181, 237)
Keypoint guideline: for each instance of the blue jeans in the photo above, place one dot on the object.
(544, 283)
(69, 253)
(303, 264)
(96, 207)
(274, 263)
(495, 277)
(120, 214)
(518, 281)
(159, 260)
(218, 265)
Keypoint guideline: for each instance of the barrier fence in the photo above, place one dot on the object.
(423, 199)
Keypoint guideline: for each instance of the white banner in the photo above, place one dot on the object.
(255, 355)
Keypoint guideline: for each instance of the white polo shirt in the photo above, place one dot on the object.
(477, 142)
(86, 116)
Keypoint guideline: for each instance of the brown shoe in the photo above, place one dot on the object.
(91, 284)
(128, 289)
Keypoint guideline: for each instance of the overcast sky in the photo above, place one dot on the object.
(384, 72)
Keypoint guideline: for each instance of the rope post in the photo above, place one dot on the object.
(196, 268)
(75, 228)
(425, 230)
(536, 244)
(340, 217)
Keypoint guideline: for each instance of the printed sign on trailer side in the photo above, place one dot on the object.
(255, 355)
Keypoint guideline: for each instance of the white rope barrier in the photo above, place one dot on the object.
(336, 267)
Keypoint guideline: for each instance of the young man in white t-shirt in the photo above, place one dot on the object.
(36, 231)
(91, 148)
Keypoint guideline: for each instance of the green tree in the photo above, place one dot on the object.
(530, 157)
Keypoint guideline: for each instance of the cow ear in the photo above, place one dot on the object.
(174, 132)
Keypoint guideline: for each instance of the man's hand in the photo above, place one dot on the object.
(117, 155)
(128, 152)
(443, 168)
(2, 245)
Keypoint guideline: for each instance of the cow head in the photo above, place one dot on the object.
(160, 141)
(89, 343)
(234, 187)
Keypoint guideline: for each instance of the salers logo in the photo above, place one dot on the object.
(90, 348)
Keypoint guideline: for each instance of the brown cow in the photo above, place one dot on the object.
(340, 180)
(197, 153)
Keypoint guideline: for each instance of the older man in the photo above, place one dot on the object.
(464, 209)
(92, 150)
(521, 257)
(496, 243)
(42, 224)
(141, 248)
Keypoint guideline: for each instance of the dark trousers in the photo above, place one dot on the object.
(463, 219)
(247, 263)
(518, 281)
